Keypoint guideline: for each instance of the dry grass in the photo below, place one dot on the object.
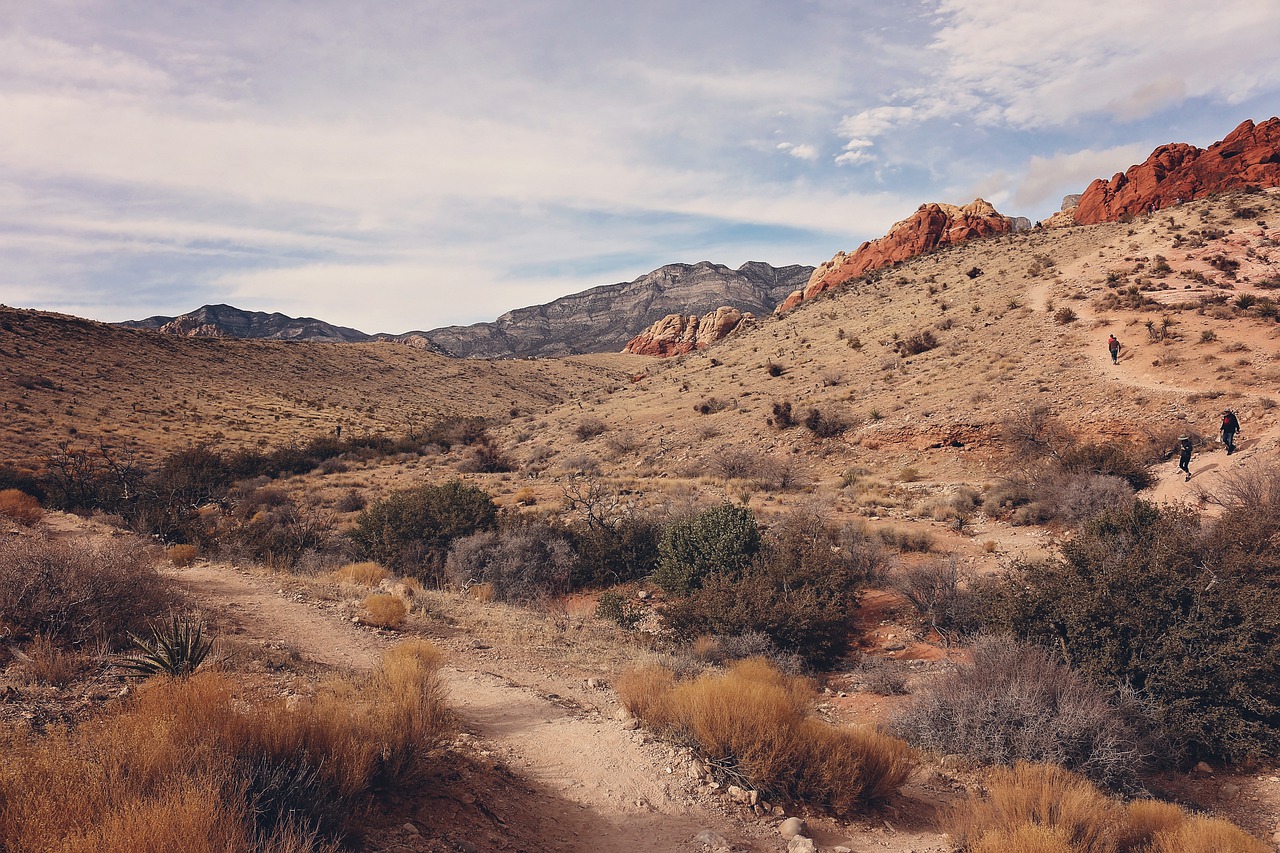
(19, 506)
(361, 574)
(46, 663)
(1040, 808)
(187, 765)
(182, 555)
(384, 610)
(754, 725)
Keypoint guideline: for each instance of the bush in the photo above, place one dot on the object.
(176, 648)
(1016, 703)
(188, 765)
(618, 609)
(361, 574)
(825, 424)
(934, 588)
(754, 727)
(625, 548)
(721, 540)
(411, 530)
(76, 593)
(782, 416)
(1144, 596)
(20, 507)
(383, 610)
(521, 564)
(1046, 809)
(182, 555)
(798, 592)
(589, 428)
(919, 342)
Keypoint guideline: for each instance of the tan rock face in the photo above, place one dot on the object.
(1248, 157)
(676, 334)
(931, 227)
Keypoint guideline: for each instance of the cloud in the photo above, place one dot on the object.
(800, 152)
(1046, 177)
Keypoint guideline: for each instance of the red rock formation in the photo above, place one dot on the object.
(676, 334)
(931, 227)
(1248, 157)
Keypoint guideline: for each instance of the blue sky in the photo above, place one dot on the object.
(408, 165)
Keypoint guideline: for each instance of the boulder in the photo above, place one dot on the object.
(677, 334)
(932, 226)
(801, 844)
(792, 827)
(1248, 157)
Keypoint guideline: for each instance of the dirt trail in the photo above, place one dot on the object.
(600, 785)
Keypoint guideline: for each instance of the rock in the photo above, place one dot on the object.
(1202, 767)
(792, 827)
(676, 334)
(801, 844)
(839, 848)
(411, 829)
(1229, 791)
(713, 842)
(740, 795)
(699, 770)
(1249, 156)
(932, 226)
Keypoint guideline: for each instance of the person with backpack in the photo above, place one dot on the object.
(1184, 455)
(1230, 429)
(1113, 347)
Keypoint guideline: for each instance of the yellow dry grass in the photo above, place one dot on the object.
(384, 610)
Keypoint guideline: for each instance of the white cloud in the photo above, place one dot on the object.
(1046, 177)
(800, 152)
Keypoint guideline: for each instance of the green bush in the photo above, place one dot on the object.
(617, 608)
(722, 540)
(624, 549)
(1143, 596)
(411, 530)
(798, 592)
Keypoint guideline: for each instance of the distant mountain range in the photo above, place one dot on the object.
(601, 319)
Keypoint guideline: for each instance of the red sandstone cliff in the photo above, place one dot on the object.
(676, 334)
(932, 226)
(1248, 157)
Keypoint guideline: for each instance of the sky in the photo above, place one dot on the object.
(397, 166)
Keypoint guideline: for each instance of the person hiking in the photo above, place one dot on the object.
(1113, 347)
(1230, 429)
(1184, 455)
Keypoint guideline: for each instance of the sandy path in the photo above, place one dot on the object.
(605, 787)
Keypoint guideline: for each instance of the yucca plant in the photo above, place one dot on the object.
(176, 647)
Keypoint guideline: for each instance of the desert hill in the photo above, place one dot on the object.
(68, 379)
(226, 321)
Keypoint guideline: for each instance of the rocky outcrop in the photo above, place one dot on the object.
(677, 334)
(606, 318)
(932, 226)
(1248, 157)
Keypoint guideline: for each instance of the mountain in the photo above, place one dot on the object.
(605, 318)
(1248, 158)
(225, 321)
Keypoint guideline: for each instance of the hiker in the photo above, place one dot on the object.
(1184, 455)
(1113, 347)
(1230, 429)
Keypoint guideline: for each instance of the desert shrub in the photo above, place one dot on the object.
(798, 592)
(825, 424)
(19, 506)
(1064, 316)
(1017, 703)
(45, 662)
(182, 555)
(352, 501)
(1035, 808)
(1144, 596)
(916, 343)
(411, 530)
(721, 540)
(362, 574)
(719, 649)
(589, 428)
(23, 481)
(782, 417)
(623, 548)
(618, 609)
(176, 647)
(265, 524)
(521, 563)
(75, 592)
(754, 726)
(187, 764)
(904, 539)
(484, 457)
(1040, 803)
(383, 610)
(934, 588)
(1108, 460)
